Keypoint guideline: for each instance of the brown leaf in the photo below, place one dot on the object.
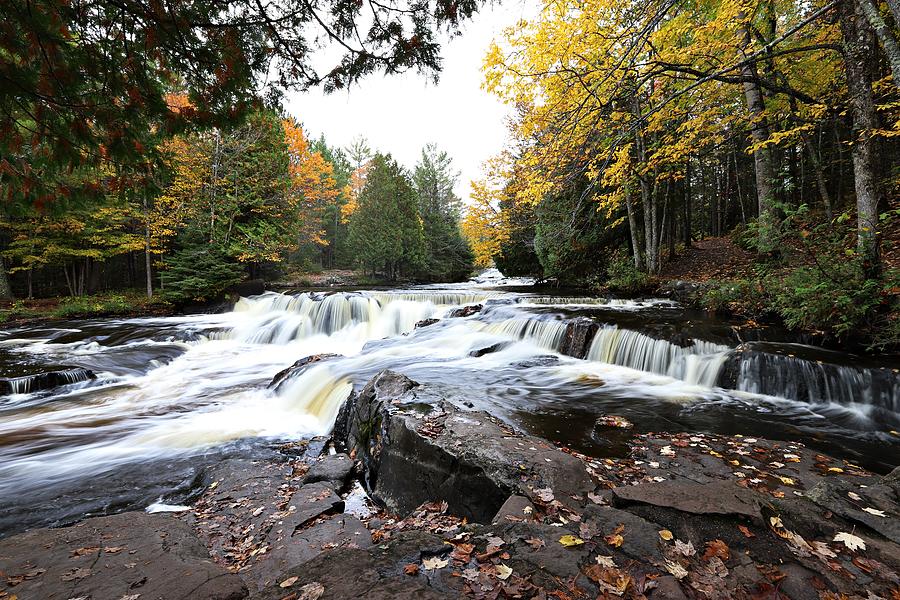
(76, 574)
(84, 551)
(716, 548)
(746, 532)
(535, 543)
(411, 569)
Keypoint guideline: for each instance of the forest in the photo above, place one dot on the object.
(642, 127)
(254, 201)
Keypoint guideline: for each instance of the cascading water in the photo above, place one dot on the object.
(815, 381)
(180, 388)
(699, 363)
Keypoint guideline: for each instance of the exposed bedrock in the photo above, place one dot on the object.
(416, 447)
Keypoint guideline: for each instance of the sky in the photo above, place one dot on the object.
(402, 113)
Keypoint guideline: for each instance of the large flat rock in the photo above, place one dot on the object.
(130, 555)
(417, 447)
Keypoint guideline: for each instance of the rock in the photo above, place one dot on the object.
(340, 531)
(252, 287)
(715, 497)
(490, 349)
(518, 508)
(667, 588)
(685, 292)
(297, 368)
(122, 556)
(376, 573)
(832, 494)
(580, 333)
(44, 381)
(334, 469)
(465, 311)
(404, 433)
(797, 585)
(425, 323)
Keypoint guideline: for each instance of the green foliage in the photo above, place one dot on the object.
(517, 257)
(199, 271)
(843, 301)
(386, 230)
(736, 295)
(622, 276)
(448, 256)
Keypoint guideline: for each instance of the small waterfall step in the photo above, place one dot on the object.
(44, 381)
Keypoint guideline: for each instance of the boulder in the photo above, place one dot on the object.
(580, 333)
(404, 432)
(466, 311)
(129, 555)
(298, 367)
(425, 323)
(334, 469)
(715, 497)
(489, 349)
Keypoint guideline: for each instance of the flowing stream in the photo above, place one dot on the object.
(173, 394)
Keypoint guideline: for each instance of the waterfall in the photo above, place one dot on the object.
(273, 318)
(814, 381)
(43, 381)
(545, 333)
(699, 363)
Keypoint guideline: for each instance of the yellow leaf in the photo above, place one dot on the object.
(666, 535)
(570, 540)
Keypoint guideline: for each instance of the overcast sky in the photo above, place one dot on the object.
(401, 114)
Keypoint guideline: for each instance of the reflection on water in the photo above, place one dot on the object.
(173, 392)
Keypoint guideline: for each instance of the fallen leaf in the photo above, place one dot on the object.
(311, 591)
(667, 451)
(288, 582)
(872, 511)
(850, 541)
(411, 569)
(595, 498)
(113, 549)
(503, 572)
(76, 574)
(822, 550)
(675, 569)
(666, 535)
(544, 495)
(786, 480)
(606, 562)
(570, 540)
(434, 563)
(535, 543)
(747, 533)
(685, 549)
(84, 551)
(614, 539)
(854, 496)
(716, 548)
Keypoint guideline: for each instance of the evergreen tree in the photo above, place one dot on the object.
(448, 256)
(385, 229)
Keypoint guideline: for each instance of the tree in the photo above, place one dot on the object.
(386, 229)
(447, 254)
(86, 82)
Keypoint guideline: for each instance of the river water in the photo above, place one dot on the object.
(176, 393)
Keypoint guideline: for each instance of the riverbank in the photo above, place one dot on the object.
(119, 304)
(468, 506)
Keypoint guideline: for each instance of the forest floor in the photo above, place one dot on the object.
(710, 258)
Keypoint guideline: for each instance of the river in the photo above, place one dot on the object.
(173, 394)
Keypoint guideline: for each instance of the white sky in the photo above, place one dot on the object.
(401, 114)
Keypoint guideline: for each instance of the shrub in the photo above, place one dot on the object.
(622, 276)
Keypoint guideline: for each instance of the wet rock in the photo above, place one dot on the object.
(580, 333)
(376, 573)
(668, 588)
(123, 556)
(425, 323)
(298, 367)
(517, 508)
(490, 349)
(44, 381)
(334, 469)
(340, 531)
(834, 495)
(710, 498)
(468, 459)
(465, 311)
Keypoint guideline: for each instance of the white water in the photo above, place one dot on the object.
(216, 391)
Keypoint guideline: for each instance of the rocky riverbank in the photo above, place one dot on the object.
(466, 506)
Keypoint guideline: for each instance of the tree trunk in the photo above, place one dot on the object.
(632, 228)
(5, 289)
(147, 262)
(858, 52)
(885, 36)
(759, 133)
(687, 207)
